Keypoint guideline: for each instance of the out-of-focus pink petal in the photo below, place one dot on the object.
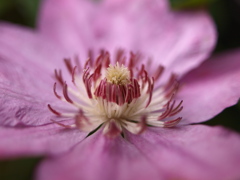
(98, 157)
(68, 22)
(41, 140)
(25, 92)
(192, 152)
(178, 40)
(27, 63)
(23, 46)
(210, 88)
(162, 4)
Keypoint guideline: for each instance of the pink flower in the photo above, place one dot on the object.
(180, 41)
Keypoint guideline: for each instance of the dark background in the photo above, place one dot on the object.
(226, 14)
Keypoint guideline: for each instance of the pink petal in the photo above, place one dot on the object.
(22, 46)
(41, 140)
(177, 40)
(27, 63)
(212, 87)
(192, 152)
(67, 22)
(98, 157)
(24, 94)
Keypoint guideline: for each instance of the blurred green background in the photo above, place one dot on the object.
(226, 14)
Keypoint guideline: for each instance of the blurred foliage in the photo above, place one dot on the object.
(230, 118)
(226, 14)
(18, 169)
(19, 11)
(189, 4)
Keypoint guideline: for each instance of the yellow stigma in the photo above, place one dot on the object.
(117, 74)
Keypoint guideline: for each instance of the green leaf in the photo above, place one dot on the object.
(20, 169)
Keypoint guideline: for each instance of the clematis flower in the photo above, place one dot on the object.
(152, 137)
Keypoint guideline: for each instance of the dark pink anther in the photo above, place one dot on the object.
(171, 90)
(150, 91)
(176, 109)
(65, 93)
(81, 119)
(73, 75)
(158, 73)
(97, 72)
(171, 82)
(90, 56)
(68, 65)
(78, 64)
(53, 110)
(88, 85)
(61, 124)
(58, 76)
(119, 57)
(143, 124)
(173, 122)
(55, 92)
(98, 60)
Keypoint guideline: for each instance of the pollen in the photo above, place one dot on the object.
(116, 95)
(119, 75)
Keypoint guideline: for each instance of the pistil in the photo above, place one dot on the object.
(117, 95)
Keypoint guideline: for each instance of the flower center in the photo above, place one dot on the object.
(124, 99)
(117, 74)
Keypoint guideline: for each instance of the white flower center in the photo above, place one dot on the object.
(117, 74)
(125, 98)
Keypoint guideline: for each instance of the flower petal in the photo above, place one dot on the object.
(192, 152)
(178, 40)
(22, 46)
(24, 95)
(212, 87)
(27, 63)
(68, 23)
(41, 140)
(98, 157)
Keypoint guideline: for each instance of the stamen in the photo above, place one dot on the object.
(78, 64)
(117, 95)
(63, 125)
(58, 76)
(150, 91)
(55, 92)
(53, 110)
(117, 74)
(65, 93)
(83, 123)
(172, 123)
(68, 65)
(111, 129)
(158, 72)
(142, 124)
(73, 75)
